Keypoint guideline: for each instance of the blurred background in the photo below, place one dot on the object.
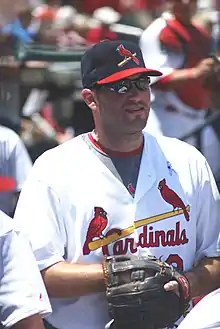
(41, 44)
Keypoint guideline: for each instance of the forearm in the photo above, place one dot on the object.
(65, 280)
(205, 277)
(32, 322)
(177, 78)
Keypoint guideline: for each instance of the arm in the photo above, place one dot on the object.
(205, 277)
(169, 62)
(32, 322)
(65, 280)
(179, 77)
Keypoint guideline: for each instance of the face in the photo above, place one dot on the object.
(184, 10)
(123, 107)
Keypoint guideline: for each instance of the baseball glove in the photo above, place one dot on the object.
(136, 296)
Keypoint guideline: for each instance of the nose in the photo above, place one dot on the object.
(134, 93)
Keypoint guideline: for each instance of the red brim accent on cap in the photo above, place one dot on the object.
(127, 73)
(7, 184)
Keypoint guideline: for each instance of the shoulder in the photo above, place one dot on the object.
(7, 134)
(178, 151)
(60, 159)
(154, 28)
(65, 150)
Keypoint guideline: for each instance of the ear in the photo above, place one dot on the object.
(89, 99)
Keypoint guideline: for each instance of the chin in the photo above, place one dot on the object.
(137, 127)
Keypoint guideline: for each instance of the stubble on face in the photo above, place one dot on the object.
(122, 114)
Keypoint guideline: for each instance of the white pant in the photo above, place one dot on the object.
(176, 124)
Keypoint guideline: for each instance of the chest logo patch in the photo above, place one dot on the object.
(172, 198)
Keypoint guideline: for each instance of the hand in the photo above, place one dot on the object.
(172, 286)
(204, 67)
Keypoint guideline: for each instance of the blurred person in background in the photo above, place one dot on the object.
(43, 17)
(47, 9)
(18, 23)
(181, 50)
(140, 13)
(64, 28)
(15, 163)
(105, 17)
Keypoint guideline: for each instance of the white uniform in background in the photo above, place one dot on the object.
(22, 292)
(169, 114)
(15, 163)
(72, 199)
(205, 315)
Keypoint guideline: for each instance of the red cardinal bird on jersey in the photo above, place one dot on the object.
(96, 227)
(127, 54)
(172, 198)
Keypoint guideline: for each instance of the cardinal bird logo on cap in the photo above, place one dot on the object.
(127, 54)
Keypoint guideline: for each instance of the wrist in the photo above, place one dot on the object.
(193, 283)
(192, 74)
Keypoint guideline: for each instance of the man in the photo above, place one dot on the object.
(180, 50)
(23, 298)
(93, 196)
(15, 163)
(205, 315)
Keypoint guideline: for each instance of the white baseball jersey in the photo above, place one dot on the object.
(205, 315)
(180, 118)
(14, 162)
(22, 292)
(74, 208)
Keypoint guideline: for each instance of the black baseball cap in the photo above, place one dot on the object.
(110, 61)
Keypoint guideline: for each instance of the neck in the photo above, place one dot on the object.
(117, 144)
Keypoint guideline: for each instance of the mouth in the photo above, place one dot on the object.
(136, 110)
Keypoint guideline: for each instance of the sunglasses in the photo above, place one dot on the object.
(123, 86)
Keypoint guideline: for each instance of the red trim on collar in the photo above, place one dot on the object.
(115, 153)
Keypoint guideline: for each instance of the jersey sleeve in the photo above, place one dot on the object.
(208, 210)
(154, 55)
(21, 163)
(38, 214)
(22, 292)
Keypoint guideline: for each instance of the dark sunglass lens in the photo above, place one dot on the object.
(143, 84)
(122, 86)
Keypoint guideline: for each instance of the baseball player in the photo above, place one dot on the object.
(23, 298)
(181, 51)
(205, 315)
(14, 163)
(117, 191)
